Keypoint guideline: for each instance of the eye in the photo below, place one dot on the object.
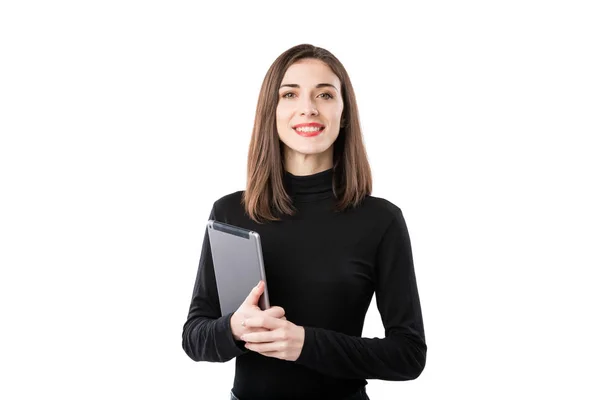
(324, 95)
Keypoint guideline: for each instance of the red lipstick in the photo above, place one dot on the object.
(309, 133)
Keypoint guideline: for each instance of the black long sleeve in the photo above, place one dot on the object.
(401, 354)
(207, 335)
(323, 268)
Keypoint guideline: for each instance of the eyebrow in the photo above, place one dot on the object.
(320, 85)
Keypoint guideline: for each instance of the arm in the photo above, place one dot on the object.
(206, 334)
(401, 354)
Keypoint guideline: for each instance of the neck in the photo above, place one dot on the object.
(307, 164)
(310, 187)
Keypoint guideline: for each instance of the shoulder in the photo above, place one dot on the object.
(228, 202)
(229, 207)
(390, 218)
(382, 208)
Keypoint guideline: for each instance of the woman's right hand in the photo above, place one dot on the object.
(248, 309)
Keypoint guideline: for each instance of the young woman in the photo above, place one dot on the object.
(328, 246)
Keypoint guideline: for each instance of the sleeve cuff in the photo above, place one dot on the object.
(307, 346)
(232, 347)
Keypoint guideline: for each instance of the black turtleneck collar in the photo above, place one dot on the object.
(309, 187)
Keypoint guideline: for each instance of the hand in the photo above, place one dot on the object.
(283, 339)
(249, 308)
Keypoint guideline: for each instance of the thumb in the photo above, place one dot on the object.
(276, 312)
(254, 295)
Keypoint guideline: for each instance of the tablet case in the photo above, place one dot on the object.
(238, 264)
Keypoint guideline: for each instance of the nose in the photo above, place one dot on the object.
(307, 107)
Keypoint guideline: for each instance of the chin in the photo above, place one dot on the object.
(308, 148)
(308, 152)
(305, 146)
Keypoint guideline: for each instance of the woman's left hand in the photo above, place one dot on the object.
(283, 340)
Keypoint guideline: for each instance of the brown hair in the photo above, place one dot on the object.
(265, 197)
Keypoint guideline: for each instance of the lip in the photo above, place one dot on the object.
(311, 125)
(309, 134)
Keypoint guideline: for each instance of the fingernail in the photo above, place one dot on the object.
(242, 337)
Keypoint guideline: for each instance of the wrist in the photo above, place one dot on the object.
(235, 323)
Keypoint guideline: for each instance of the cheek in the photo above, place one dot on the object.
(282, 120)
(282, 116)
(335, 113)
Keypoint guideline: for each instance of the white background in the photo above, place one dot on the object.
(480, 120)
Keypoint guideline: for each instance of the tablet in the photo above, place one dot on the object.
(238, 264)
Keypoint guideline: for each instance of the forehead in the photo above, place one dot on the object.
(310, 72)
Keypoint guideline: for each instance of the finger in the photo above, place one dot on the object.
(252, 330)
(260, 337)
(266, 347)
(275, 312)
(254, 295)
(264, 321)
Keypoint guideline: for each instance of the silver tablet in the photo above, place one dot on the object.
(238, 264)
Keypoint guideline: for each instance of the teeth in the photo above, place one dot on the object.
(307, 129)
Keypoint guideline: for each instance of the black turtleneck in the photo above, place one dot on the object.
(323, 268)
(318, 186)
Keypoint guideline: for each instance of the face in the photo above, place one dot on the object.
(310, 93)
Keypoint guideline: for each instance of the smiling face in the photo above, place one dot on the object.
(308, 114)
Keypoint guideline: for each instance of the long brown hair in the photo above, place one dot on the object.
(265, 198)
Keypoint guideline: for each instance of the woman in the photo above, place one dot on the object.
(328, 246)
